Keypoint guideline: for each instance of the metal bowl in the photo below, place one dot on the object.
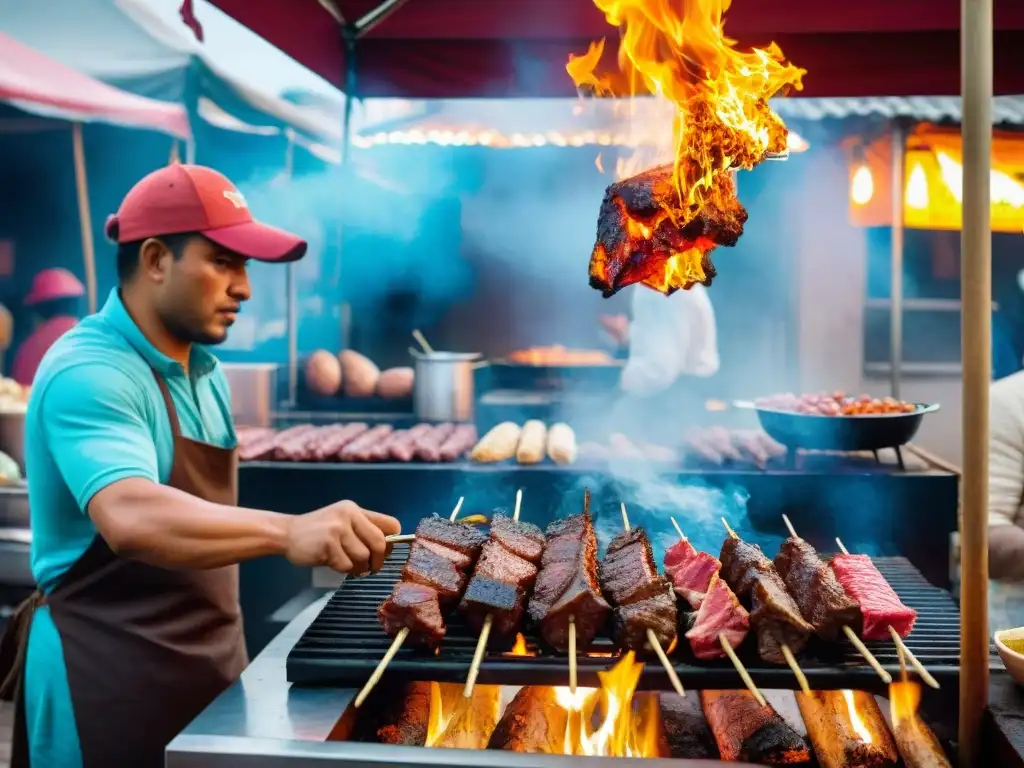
(867, 432)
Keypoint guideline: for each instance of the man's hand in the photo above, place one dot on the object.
(343, 536)
(617, 327)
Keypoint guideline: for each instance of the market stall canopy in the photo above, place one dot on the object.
(933, 180)
(128, 44)
(34, 83)
(518, 48)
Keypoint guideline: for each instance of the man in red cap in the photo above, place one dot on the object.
(54, 299)
(131, 463)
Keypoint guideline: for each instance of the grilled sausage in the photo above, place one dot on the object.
(359, 449)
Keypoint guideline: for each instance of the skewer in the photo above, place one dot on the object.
(422, 341)
(485, 631)
(400, 538)
(855, 641)
(801, 678)
(572, 655)
(396, 644)
(729, 651)
(653, 638)
(458, 506)
(901, 647)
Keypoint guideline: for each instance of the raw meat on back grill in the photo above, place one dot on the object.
(567, 584)
(642, 597)
(773, 612)
(524, 539)
(880, 606)
(719, 614)
(819, 595)
(458, 536)
(415, 607)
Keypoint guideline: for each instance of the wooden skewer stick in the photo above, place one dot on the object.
(900, 645)
(572, 655)
(653, 638)
(478, 657)
(422, 341)
(729, 651)
(379, 671)
(458, 506)
(485, 631)
(855, 641)
(399, 538)
(801, 678)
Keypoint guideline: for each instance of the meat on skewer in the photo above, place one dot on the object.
(567, 591)
(774, 614)
(642, 597)
(880, 606)
(819, 595)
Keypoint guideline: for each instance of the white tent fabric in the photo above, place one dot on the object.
(128, 44)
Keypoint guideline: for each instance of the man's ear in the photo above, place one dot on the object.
(154, 259)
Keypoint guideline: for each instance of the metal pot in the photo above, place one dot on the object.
(444, 385)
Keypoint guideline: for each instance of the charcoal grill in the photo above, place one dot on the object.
(344, 644)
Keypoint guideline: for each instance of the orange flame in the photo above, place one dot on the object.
(677, 51)
(622, 732)
(520, 649)
(904, 698)
(456, 722)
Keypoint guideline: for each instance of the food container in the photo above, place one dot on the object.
(1008, 641)
(444, 385)
(863, 432)
(253, 392)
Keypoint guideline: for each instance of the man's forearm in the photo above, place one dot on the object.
(1006, 552)
(167, 527)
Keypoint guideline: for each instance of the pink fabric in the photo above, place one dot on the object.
(29, 77)
(53, 284)
(31, 351)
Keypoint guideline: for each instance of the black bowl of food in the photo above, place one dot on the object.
(836, 422)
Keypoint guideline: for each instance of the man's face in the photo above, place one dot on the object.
(202, 291)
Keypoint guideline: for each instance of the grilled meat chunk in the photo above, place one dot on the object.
(523, 539)
(880, 606)
(417, 608)
(502, 601)
(658, 613)
(431, 568)
(567, 584)
(500, 564)
(747, 732)
(773, 612)
(458, 536)
(819, 595)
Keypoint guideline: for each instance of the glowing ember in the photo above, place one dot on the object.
(676, 50)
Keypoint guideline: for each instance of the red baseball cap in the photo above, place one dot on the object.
(192, 198)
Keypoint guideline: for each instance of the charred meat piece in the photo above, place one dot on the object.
(431, 568)
(458, 536)
(720, 614)
(460, 561)
(502, 601)
(500, 564)
(819, 595)
(686, 729)
(533, 723)
(523, 539)
(415, 607)
(642, 597)
(638, 232)
(773, 612)
(880, 606)
(747, 732)
(567, 584)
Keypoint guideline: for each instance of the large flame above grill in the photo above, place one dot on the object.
(659, 228)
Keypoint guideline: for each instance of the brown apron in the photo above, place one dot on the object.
(146, 648)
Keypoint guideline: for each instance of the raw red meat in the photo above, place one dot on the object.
(879, 604)
(691, 578)
(720, 614)
(678, 553)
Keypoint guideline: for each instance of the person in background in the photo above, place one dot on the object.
(55, 299)
(673, 341)
(131, 459)
(1005, 499)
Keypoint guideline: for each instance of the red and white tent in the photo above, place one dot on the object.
(37, 84)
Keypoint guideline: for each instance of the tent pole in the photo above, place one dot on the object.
(896, 264)
(84, 216)
(976, 335)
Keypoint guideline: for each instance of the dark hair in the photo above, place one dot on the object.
(128, 253)
(57, 307)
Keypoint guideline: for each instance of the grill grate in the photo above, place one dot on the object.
(344, 644)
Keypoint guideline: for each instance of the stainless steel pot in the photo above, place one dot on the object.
(444, 385)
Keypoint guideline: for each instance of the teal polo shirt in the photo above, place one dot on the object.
(96, 416)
